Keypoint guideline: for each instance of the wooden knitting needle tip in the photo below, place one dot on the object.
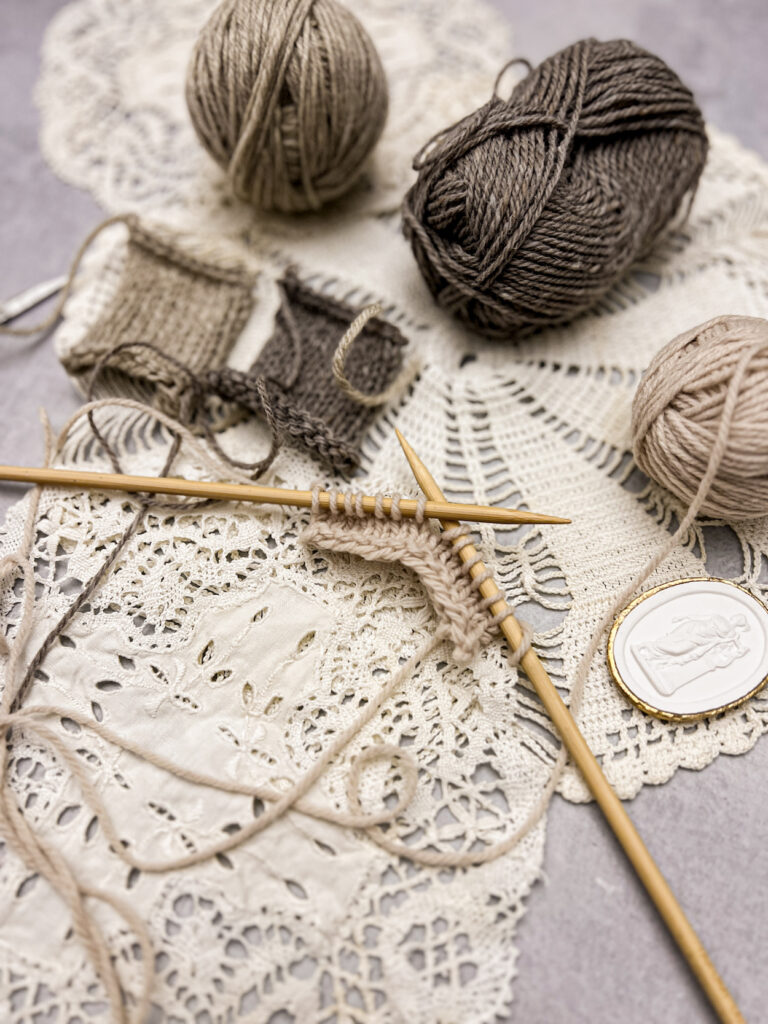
(646, 868)
(266, 495)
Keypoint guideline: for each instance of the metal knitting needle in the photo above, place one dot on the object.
(647, 870)
(29, 298)
(266, 495)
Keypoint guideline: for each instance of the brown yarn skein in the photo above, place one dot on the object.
(289, 97)
(716, 371)
(527, 211)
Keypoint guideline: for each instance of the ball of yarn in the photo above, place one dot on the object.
(527, 211)
(680, 404)
(289, 97)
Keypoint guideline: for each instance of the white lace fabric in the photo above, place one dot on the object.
(225, 643)
(221, 641)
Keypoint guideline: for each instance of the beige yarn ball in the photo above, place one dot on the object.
(289, 97)
(714, 373)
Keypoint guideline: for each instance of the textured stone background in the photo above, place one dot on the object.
(592, 948)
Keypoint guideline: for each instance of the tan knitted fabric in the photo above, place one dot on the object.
(191, 308)
(416, 545)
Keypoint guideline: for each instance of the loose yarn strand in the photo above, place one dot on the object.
(198, 385)
(25, 843)
(212, 462)
(15, 828)
(394, 390)
(280, 803)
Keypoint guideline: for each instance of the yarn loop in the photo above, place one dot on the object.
(714, 372)
(527, 211)
(289, 97)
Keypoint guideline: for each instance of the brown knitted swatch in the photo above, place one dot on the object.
(184, 305)
(309, 408)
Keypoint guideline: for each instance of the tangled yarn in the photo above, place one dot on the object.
(527, 211)
(703, 398)
(289, 97)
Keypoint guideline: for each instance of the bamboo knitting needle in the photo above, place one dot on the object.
(267, 495)
(656, 885)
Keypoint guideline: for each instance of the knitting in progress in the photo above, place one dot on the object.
(431, 555)
(378, 538)
(527, 211)
(288, 97)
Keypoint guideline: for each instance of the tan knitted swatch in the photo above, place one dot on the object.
(191, 308)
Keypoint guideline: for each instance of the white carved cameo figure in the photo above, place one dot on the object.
(691, 649)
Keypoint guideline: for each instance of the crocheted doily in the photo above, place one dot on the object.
(309, 921)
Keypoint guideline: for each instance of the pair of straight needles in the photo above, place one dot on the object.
(449, 513)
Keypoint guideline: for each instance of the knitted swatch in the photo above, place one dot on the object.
(191, 308)
(310, 409)
(462, 618)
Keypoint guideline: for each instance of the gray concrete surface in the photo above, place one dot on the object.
(41, 223)
(592, 948)
(718, 47)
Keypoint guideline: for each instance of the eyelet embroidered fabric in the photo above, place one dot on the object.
(171, 674)
(310, 921)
